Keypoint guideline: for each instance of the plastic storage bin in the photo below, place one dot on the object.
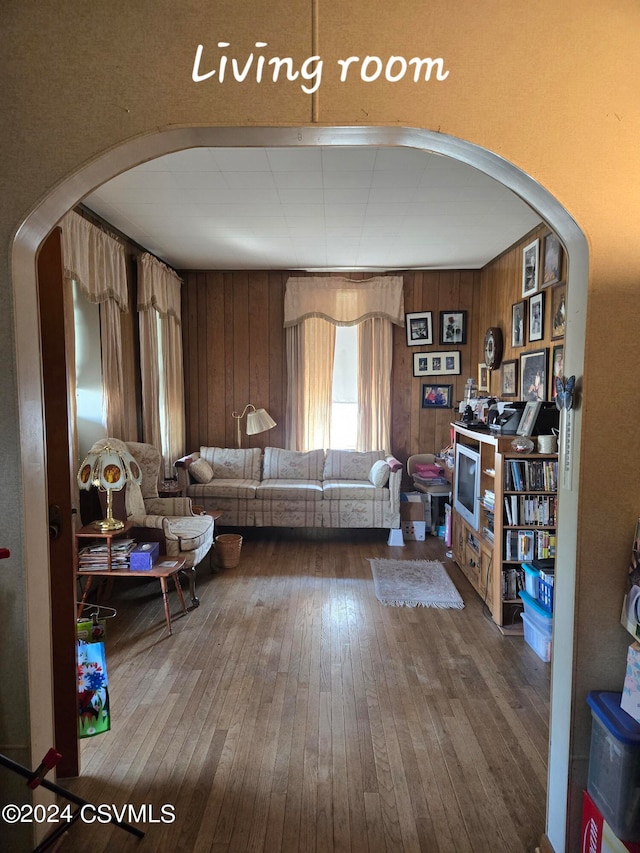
(537, 639)
(614, 764)
(538, 627)
(531, 579)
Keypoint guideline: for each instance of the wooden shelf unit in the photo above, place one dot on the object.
(485, 560)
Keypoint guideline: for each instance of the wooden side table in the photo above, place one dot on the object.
(164, 567)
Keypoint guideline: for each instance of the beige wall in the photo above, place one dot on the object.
(551, 87)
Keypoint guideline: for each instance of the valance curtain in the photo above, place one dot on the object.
(313, 307)
(97, 263)
(161, 359)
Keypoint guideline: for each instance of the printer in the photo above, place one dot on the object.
(504, 418)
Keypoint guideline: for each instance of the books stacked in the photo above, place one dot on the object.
(96, 557)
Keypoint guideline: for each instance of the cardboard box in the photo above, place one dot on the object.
(416, 530)
(412, 511)
(597, 836)
(630, 701)
(144, 556)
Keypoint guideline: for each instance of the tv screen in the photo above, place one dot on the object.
(466, 498)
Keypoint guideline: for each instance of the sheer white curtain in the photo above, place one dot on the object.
(161, 359)
(97, 263)
(313, 305)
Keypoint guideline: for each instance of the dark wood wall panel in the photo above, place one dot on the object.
(235, 353)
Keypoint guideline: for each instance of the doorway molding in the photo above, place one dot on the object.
(70, 191)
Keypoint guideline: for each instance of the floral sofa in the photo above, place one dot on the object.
(286, 488)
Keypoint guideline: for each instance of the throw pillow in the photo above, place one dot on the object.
(379, 474)
(201, 471)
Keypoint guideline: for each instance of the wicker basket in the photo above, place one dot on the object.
(228, 547)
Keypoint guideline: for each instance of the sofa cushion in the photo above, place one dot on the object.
(228, 463)
(292, 464)
(379, 473)
(224, 488)
(350, 464)
(282, 489)
(353, 490)
(200, 470)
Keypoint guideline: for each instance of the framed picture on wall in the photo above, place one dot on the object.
(551, 260)
(453, 328)
(533, 374)
(558, 311)
(509, 378)
(436, 363)
(437, 396)
(557, 368)
(536, 317)
(518, 321)
(483, 377)
(419, 328)
(530, 262)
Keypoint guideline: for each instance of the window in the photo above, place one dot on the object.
(344, 396)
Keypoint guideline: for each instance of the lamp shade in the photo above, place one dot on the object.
(259, 421)
(108, 469)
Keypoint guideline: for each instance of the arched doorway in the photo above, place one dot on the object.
(38, 224)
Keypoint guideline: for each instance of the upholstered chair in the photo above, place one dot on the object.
(183, 532)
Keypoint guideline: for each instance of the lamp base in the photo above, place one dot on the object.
(105, 525)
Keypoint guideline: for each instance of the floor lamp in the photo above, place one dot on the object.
(258, 420)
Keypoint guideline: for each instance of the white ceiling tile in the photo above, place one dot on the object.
(301, 196)
(265, 208)
(298, 180)
(249, 180)
(241, 159)
(346, 195)
(345, 179)
(295, 159)
(348, 159)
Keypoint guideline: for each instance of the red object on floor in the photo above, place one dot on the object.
(595, 831)
(4, 553)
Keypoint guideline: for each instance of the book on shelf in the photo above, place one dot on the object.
(528, 545)
(537, 475)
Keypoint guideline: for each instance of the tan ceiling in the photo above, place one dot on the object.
(314, 208)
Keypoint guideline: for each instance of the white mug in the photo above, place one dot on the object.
(547, 443)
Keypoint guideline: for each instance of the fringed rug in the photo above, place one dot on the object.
(414, 583)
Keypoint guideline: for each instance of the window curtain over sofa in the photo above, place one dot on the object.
(97, 263)
(315, 305)
(161, 359)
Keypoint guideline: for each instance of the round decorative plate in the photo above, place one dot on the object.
(493, 347)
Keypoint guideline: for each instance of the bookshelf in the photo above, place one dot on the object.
(517, 522)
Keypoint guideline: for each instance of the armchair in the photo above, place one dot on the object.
(182, 532)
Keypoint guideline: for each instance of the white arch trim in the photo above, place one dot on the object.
(88, 177)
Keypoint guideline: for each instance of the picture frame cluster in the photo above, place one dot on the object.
(542, 290)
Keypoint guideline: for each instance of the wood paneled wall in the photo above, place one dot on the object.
(234, 353)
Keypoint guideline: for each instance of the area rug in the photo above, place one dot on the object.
(414, 583)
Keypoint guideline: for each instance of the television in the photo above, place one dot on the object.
(466, 490)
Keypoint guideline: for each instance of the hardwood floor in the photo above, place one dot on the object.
(293, 712)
